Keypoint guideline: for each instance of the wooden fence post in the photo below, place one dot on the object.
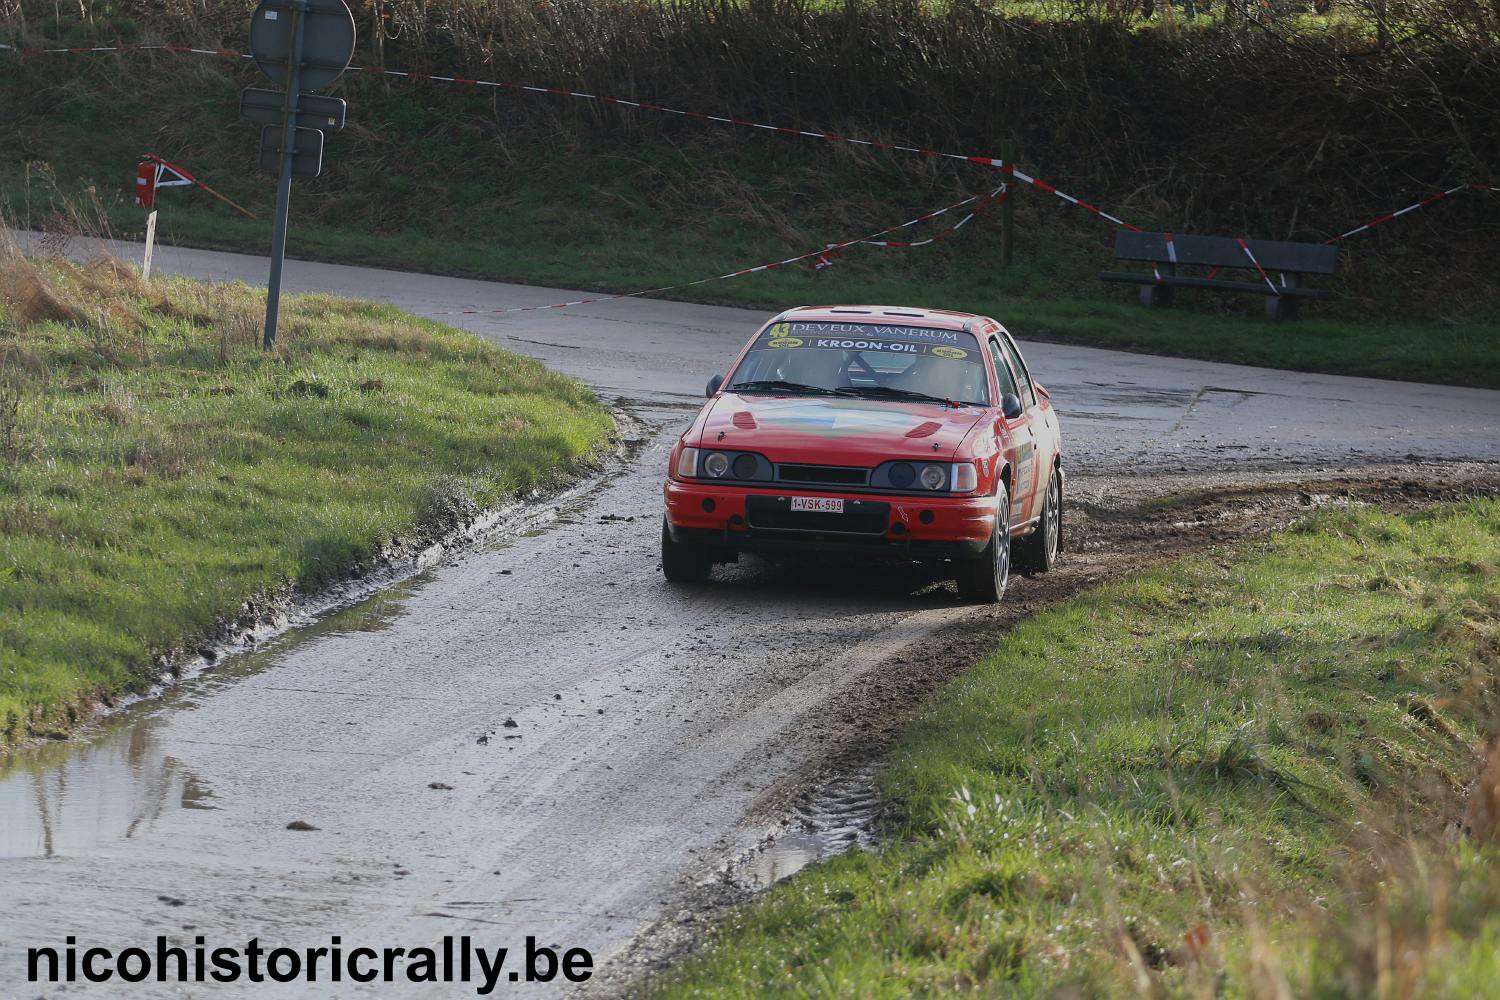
(150, 246)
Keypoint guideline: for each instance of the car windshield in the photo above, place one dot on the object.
(877, 360)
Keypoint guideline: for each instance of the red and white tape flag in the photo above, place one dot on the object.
(154, 172)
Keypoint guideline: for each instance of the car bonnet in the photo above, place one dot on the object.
(828, 430)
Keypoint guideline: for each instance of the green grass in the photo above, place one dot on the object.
(157, 469)
(1159, 785)
(426, 179)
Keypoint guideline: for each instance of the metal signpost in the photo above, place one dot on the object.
(302, 45)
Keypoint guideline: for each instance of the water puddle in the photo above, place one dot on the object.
(65, 800)
(116, 780)
(74, 796)
(838, 816)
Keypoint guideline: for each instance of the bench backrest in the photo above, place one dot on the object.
(1224, 251)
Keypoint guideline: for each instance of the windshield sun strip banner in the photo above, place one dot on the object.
(953, 345)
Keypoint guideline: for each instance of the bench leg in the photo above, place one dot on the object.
(1156, 296)
(1281, 308)
(1284, 307)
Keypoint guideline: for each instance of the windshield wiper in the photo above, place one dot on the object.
(776, 384)
(887, 390)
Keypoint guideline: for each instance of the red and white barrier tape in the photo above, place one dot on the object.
(993, 198)
(979, 201)
(833, 137)
(1171, 258)
(832, 250)
(86, 49)
(1382, 220)
(1266, 277)
(989, 161)
(1044, 186)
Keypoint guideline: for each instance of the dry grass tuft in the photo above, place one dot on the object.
(1482, 817)
(12, 396)
(119, 411)
(29, 297)
(162, 459)
(105, 274)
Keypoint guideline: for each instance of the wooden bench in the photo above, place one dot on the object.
(1283, 265)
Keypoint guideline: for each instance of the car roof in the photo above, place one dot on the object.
(942, 319)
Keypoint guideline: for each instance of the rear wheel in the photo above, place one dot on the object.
(1037, 552)
(983, 579)
(682, 562)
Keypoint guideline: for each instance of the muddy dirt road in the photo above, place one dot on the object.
(605, 741)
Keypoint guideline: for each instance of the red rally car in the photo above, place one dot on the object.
(917, 434)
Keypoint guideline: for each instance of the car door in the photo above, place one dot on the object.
(1021, 433)
(1042, 420)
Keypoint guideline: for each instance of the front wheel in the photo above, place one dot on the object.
(1037, 552)
(982, 580)
(681, 562)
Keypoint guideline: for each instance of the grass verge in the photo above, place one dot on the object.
(158, 470)
(1229, 776)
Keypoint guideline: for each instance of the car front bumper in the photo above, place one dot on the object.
(756, 519)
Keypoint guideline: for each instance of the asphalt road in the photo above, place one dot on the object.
(651, 725)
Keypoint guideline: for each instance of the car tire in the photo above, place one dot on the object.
(1037, 552)
(682, 562)
(982, 580)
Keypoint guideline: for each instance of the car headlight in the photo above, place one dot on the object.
(965, 477)
(902, 475)
(687, 463)
(933, 477)
(716, 464)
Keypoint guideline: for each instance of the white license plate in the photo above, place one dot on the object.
(823, 505)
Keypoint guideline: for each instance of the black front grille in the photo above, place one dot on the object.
(860, 517)
(832, 475)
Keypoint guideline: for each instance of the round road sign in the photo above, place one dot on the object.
(327, 40)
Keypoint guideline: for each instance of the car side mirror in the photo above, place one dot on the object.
(713, 385)
(1010, 406)
(1041, 390)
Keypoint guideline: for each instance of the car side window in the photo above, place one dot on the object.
(1006, 380)
(1028, 394)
